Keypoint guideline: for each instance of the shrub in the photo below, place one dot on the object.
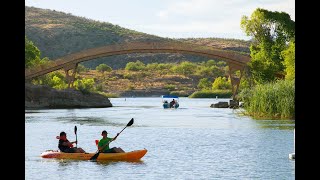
(81, 68)
(99, 87)
(127, 76)
(221, 83)
(103, 68)
(85, 85)
(130, 87)
(170, 87)
(135, 66)
(185, 68)
(204, 83)
(152, 67)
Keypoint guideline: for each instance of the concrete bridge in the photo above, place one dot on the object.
(235, 61)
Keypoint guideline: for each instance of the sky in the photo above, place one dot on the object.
(171, 18)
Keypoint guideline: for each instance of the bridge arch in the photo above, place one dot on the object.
(235, 61)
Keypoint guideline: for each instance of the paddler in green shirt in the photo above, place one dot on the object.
(103, 144)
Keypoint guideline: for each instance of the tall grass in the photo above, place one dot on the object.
(108, 95)
(211, 94)
(273, 100)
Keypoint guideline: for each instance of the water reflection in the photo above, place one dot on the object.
(276, 124)
(106, 163)
(63, 163)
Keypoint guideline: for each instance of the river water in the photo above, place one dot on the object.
(191, 142)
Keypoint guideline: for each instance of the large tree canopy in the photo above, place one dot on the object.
(289, 61)
(271, 32)
(32, 53)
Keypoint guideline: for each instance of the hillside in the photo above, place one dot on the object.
(57, 34)
(142, 83)
(220, 43)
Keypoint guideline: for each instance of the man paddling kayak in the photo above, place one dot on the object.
(66, 146)
(103, 145)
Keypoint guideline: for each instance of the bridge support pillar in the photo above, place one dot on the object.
(235, 81)
(71, 78)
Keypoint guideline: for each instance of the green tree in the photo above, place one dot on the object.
(103, 68)
(221, 83)
(54, 79)
(204, 71)
(204, 84)
(217, 71)
(32, 53)
(271, 32)
(211, 63)
(58, 82)
(289, 61)
(185, 68)
(81, 68)
(85, 85)
(221, 64)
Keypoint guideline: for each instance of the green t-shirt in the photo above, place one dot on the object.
(102, 142)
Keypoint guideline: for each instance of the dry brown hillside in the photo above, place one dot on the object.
(57, 34)
(123, 83)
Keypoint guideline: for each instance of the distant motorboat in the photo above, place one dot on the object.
(174, 103)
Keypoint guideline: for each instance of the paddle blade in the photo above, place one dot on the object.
(75, 129)
(130, 122)
(94, 157)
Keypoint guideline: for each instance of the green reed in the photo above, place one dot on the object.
(273, 100)
(212, 94)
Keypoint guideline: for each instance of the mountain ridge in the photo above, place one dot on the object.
(57, 34)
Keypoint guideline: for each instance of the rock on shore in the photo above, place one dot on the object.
(45, 97)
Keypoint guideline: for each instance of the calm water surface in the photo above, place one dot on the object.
(191, 142)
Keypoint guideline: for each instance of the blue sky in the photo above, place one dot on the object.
(170, 18)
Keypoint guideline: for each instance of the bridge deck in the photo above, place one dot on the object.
(236, 59)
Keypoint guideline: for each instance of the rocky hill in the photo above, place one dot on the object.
(57, 34)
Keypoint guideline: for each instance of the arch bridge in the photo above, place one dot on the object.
(235, 61)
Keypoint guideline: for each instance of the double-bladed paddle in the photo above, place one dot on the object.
(95, 156)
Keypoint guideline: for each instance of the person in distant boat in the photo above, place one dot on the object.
(172, 103)
(66, 146)
(103, 145)
(165, 103)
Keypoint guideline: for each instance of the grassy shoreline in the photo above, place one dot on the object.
(211, 94)
(273, 100)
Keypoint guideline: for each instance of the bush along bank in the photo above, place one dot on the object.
(274, 100)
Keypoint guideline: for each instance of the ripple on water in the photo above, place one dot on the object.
(191, 142)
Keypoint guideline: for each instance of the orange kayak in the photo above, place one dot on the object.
(127, 156)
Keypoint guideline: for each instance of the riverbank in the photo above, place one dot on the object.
(45, 97)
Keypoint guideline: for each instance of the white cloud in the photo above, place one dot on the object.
(213, 16)
(191, 18)
(220, 7)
